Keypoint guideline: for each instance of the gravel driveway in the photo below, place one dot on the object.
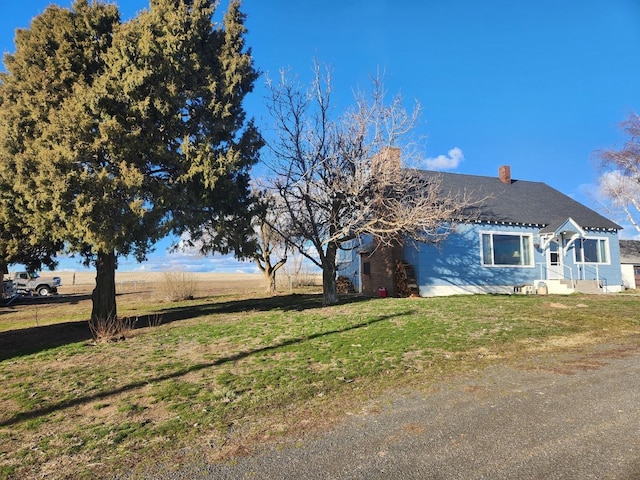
(570, 417)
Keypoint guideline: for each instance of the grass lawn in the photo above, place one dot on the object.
(224, 373)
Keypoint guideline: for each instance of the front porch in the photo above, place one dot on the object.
(566, 280)
(567, 287)
(572, 261)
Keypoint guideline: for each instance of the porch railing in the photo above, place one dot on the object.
(584, 270)
(565, 274)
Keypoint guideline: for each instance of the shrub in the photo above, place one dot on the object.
(177, 286)
(111, 328)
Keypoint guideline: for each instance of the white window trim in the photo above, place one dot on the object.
(607, 249)
(514, 234)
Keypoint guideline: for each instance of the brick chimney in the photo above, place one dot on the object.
(504, 174)
(387, 160)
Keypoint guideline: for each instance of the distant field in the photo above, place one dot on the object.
(88, 277)
(207, 282)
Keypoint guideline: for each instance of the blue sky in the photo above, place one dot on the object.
(535, 85)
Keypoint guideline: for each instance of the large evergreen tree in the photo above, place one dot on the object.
(19, 243)
(115, 134)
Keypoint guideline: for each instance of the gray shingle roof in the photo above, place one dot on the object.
(521, 201)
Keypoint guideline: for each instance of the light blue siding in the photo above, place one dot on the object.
(458, 262)
(456, 265)
(609, 272)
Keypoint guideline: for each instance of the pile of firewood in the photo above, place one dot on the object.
(344, 285)
(406, 284)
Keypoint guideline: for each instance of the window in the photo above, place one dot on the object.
(591, 250)
(366, 268)
(506, 249)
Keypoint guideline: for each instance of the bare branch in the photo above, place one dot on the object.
(340, 177)
(619, 182)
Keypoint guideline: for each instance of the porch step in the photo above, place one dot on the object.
(559, 287)
(588, 286)
(566, 287)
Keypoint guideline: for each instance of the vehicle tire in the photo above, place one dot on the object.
(43, 290)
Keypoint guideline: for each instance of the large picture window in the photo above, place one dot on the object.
(592, 250)
(506, 249)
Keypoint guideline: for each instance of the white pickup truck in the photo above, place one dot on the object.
(8, 292)
(28, 283)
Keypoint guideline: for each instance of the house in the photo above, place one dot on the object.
(523, 237)
(630, 263)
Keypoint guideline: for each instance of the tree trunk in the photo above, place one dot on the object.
(272, 283)
(269, 271)
(104, 295)
(4, 268)
(269, 280)
(329, 285)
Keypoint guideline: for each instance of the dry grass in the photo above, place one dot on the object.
(138, 293)
(228, 370)
(111, 328)
(210, 283)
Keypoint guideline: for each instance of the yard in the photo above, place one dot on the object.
(215, 376)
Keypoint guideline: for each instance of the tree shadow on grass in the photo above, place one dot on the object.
(26, 341)
(24, 416)
(284, 303)
(27, 300)
(16, 343)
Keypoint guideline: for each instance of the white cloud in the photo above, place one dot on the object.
(618, 188)
(163, 260)
(449, 161)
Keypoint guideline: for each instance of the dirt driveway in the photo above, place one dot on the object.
(570, 417)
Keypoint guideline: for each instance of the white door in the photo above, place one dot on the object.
(554, 262)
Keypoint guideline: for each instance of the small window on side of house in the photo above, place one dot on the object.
(366, 268)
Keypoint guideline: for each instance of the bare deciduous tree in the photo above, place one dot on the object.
(269, 242)
(619, 182)
(339, 178)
